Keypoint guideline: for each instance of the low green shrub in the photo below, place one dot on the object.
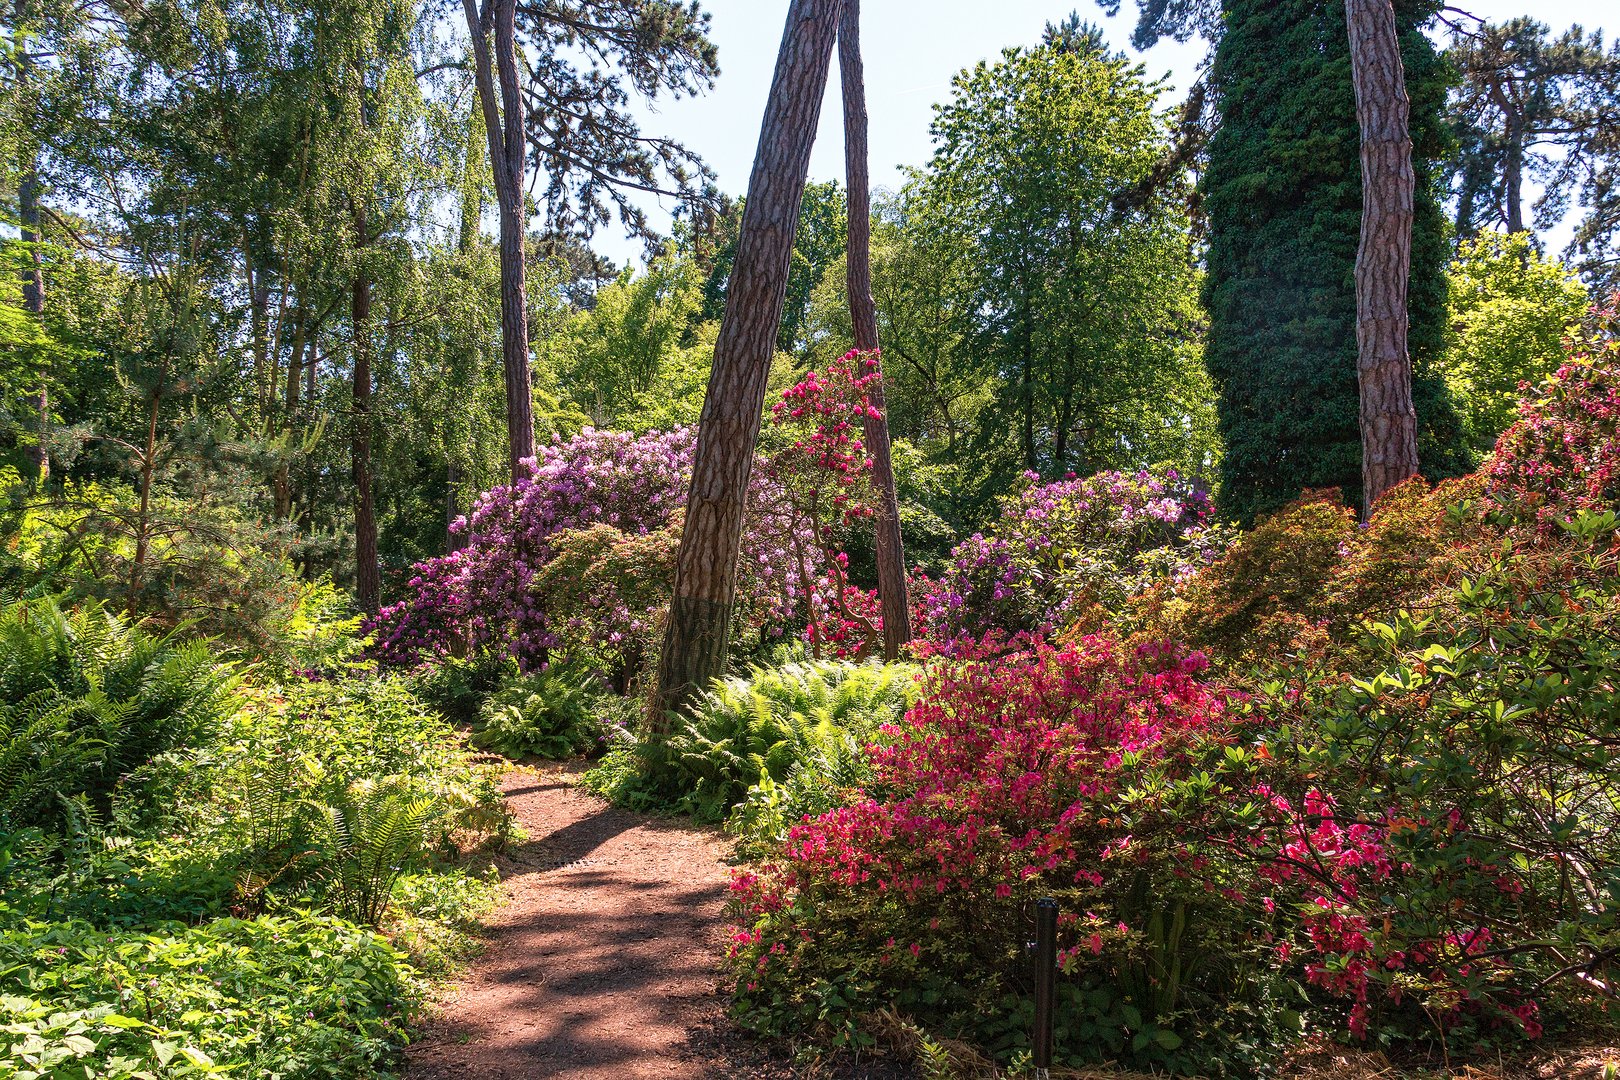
(833, 769)
(331, 791)
(546, 714)
(292, 997)
(764, 748)
(458, 686)
(435, 917)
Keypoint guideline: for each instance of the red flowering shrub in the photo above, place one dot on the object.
(1015, 777)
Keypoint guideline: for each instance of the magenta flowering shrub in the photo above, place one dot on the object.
(1075, 550)
(1013, 777)
(488, 596)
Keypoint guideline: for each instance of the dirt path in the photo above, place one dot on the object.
(602, 963)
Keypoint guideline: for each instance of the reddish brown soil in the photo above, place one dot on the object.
(602, 961)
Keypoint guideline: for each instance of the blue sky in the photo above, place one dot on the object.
(912, 50)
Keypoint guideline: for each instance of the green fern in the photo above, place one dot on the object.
(765, 725)
(86, 699)
(549, 714)
(369, 836)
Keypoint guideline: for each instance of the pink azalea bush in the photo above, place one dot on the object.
(1562, 455)
(1014, 777)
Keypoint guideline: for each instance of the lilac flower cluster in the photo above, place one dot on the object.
(486, 596)
(1061, 550)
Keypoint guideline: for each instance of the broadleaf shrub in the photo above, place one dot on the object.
(1071, 552)
(491, 594)
(296, 997)
(1439, 807)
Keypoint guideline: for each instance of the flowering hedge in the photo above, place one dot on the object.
(489, 595)
(1072, 551)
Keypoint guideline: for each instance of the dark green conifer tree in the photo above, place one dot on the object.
(1283, 195)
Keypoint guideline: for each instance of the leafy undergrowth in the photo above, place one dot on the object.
(253, 872)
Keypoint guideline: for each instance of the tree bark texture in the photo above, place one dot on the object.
(891, 554)
(367, 572)
(698, 634)
(1384, 259)
(503, 129)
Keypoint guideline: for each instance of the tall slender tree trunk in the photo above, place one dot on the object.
(306, 509)
(891, 553)
(1384, 259)
(34, 271)
(258, 291)
(367, 572)
(503, 129)
(453, 541)
(143, 513)
(697, 638)
(292, 410)
(472, 213)
(1513, 174)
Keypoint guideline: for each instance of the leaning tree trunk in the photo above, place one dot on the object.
(503, 129)
(367, 572)
(891, 554)
(1384, 259)
(699, 628)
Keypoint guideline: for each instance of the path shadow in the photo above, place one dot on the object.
(574, 841)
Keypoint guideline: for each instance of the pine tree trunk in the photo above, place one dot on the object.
(1384, 259)
(699, 629)
(891, 554)
(503, 129)
(367, 572)
(1513, 174)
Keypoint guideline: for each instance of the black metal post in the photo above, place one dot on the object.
(1046, 913)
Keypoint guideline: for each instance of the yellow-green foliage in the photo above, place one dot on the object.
(1508, 309)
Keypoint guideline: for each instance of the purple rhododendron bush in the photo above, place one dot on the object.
(1374, 801)
(495, 593)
